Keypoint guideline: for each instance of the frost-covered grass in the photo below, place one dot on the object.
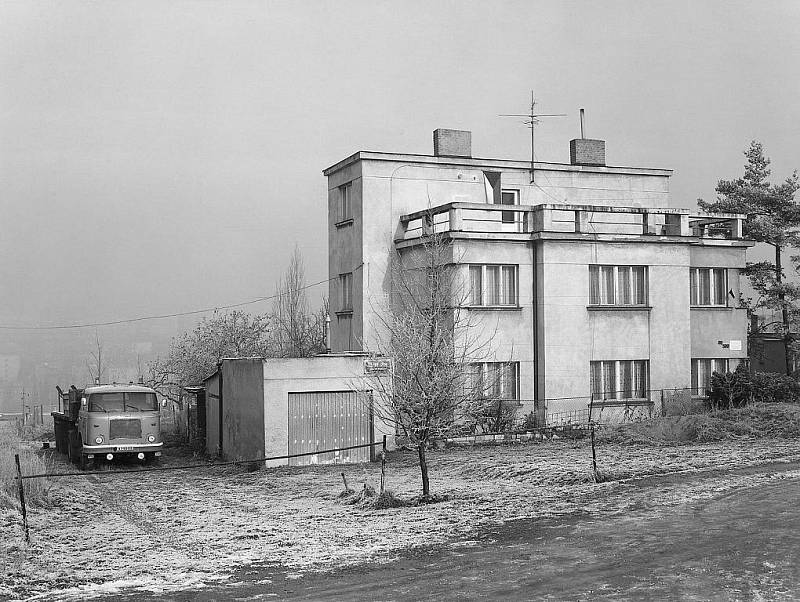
(37, 491)
(176, 528)
(772, 420)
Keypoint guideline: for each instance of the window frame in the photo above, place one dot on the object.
(346, 292)
(600, 370)
(602, 285)
(501, 284)
(696, 287)
(703, 390)
(489, 375)
(344, 205)
(509, 217)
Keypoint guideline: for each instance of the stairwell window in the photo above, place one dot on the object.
(509, 197)
(617, 285)
(493, 285)
(708, 287)
(345, 208)
(617, 380)
(496, 380)
(702, 369)
(346, 291)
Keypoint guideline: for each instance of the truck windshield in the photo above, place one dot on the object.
(123, 402)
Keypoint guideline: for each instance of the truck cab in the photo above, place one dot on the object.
(110, 421)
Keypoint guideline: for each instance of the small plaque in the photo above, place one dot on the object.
(736, 345)
(377, 366)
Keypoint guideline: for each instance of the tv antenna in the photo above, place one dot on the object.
(531, 120)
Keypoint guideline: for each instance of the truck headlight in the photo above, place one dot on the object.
(98, 439)
(151, 438)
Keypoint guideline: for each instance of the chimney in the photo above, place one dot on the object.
(452, 143)
(585, 151)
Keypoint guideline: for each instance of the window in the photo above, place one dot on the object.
(619, 379)
(345, 202)
(346, 291)
(708, 287)
(493, 285)
(617, 285)
(702, 369)
(496, 380)
(509, 197)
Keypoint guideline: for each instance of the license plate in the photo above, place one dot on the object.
(125, 447)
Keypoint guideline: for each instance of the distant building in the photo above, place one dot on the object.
(597, 286)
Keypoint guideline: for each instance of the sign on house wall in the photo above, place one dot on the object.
(377, 366)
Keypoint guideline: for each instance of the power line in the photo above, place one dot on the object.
(162, 316)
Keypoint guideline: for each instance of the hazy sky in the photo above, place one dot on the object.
(169, 154)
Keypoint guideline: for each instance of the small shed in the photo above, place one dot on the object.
(257, 407)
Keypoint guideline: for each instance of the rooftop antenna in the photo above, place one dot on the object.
(531, 120)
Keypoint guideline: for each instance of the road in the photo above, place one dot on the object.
(740, 545)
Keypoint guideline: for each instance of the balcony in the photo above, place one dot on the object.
(480, 220)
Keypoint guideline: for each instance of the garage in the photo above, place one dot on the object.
(320, 420)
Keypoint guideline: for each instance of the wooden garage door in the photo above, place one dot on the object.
(329, 420)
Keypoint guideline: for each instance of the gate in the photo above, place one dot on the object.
(327, 420)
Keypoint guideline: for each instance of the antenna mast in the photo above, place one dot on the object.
(532, 119)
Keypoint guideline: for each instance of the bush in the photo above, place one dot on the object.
(774, 387)
(731, 389)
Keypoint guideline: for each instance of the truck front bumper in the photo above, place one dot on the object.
(131, 448)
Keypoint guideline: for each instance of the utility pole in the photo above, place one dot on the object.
(531, 120)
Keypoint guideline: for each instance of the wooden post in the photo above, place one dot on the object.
(22, 500)
(594, 458)
(344, 478)
(383, 465)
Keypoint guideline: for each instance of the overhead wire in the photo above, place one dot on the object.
(162, 316)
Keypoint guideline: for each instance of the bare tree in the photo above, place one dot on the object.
(298, 332)
(96, 365)
(195, 355)
(435, 350)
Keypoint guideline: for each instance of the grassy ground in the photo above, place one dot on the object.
(13, 441)
(172, 530)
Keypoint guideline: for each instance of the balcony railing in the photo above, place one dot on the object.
(480, 218)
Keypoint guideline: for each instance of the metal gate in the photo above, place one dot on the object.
(328, 420)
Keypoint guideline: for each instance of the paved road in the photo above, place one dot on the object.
(741, 545)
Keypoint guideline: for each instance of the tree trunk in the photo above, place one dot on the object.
(784, 311)
(423, 466)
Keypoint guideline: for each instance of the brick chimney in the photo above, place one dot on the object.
(452, 143)
(585, 151)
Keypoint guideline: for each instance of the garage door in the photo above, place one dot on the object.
(327, 420)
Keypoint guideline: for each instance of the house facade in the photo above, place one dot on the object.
(593, 285)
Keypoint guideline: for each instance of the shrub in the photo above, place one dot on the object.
(774, 387)
(731, 389)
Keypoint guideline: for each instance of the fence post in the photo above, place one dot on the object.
(383, 465)
(594, 458)
(22, 499)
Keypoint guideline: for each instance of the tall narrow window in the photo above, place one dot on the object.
(345, 202)
(493, 285)
(708, 287)
(617, 285)
(509, 197)
(346, 291)
(476, 284)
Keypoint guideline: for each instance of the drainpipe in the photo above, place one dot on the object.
(221, 414)
(327, 333)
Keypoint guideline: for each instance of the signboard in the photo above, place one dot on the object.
(377, 366)
(736, 345)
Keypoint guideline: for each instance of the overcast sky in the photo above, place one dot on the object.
(169, 154)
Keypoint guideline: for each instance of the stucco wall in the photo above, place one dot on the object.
(298, 375)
